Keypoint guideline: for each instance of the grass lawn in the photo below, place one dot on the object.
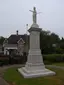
(13, 76)
(59, 64)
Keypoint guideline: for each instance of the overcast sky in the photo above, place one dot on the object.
(15, 14)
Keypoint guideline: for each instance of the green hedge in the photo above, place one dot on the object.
(54, 57)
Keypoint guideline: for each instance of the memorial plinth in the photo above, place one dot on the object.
(34, 66)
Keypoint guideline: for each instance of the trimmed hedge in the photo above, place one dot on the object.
(54, 57)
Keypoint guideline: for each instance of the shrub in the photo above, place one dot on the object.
(4, 59)
(54, 57)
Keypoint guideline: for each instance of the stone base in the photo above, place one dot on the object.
(34, 66)
(36, 73)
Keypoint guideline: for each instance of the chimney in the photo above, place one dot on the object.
(17, 32)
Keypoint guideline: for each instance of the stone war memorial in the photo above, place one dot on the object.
(34, 66)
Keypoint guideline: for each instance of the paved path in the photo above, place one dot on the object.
(19, 65)
(3, 82)
(2, 69)
(54, 66)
